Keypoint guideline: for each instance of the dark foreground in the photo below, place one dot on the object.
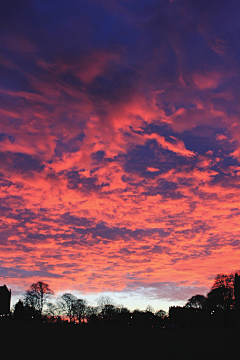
(25, 340)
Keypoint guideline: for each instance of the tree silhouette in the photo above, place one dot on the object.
(237, 295)
(102, 301)
(196, 302)
(80, 309)
(67, 305)
(123, 310)
(150, 309)
(223, 280)
(221, 294)
(161, 313)
(51, 310)
(219, 298)
(19, 311)
(36, 295)
(106, 308)
(108, 312)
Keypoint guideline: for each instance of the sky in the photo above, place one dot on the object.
(119, 147)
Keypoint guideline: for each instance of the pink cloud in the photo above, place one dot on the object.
(151, 169)
(207, 81)
(177, 146)
(95, 65)
(221, 137)
(76, 199)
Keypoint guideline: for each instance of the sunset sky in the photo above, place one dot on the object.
(119, 147)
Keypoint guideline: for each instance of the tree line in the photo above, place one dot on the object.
(219, 308)
(36, 305)
(224, 296)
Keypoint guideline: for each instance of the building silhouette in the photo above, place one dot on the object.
(5, 300)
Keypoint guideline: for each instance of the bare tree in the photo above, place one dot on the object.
(37, 295)
(51, 310)
(67, 304)
(102, 301)
(80, 309)
(91, 310)
(106, 308)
